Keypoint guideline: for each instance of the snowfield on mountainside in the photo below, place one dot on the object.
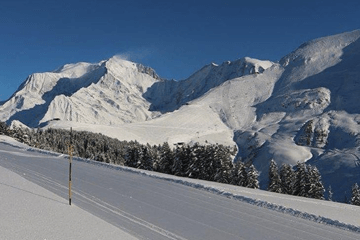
(303, 108)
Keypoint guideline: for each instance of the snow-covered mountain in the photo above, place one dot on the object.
(304, 108)
(167, 96)
(109, 92)
(113, 92)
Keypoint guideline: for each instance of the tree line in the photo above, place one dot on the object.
(304, 180)
(207, 162)
(211, 162)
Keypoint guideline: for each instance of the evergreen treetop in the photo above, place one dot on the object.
(274, 178)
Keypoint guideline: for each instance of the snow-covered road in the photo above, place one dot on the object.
(151, 208)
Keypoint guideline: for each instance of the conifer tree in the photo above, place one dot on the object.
(253, 175)
(176, 167)
(185, 159)
(209, 163)
(239, 175)
(166, 160)
(194, 168)
(243, 176)
(226, 162)
(202, 162)
(287, 178)
(274, 178)
(301, 180)
(156, 160)
(355, 195)
(316, 188)
(223, 165)
(139, 156)
(4, 128)
(145, 160)
(235, 173)
(132, 156)
(178, 162)
(330, 194)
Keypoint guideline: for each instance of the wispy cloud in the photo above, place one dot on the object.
(136, 55)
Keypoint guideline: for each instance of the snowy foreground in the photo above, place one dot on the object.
(149, 205)
(29, 211)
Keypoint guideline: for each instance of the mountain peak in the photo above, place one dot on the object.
(77, 69)
(117, 65)
(331, 44)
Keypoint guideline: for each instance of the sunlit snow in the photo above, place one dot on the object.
(304, 108)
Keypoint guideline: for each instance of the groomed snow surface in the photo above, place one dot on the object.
(31, 212)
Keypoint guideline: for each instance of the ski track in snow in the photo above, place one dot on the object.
(37, 213)
(95, 202)
(188, 182)
(256, 202)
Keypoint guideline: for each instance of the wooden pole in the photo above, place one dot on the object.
(70, 161)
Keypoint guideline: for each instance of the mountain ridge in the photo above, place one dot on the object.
(200, 82)
(303, 108)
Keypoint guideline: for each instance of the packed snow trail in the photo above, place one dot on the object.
(150, 208)
(30, 212)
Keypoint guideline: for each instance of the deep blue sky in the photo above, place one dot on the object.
(176, 38)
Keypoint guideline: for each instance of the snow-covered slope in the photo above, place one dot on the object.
(113, 92)
(109, 92)
(304, 108)
(167, 96)
(317, 103)
(150, 205)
